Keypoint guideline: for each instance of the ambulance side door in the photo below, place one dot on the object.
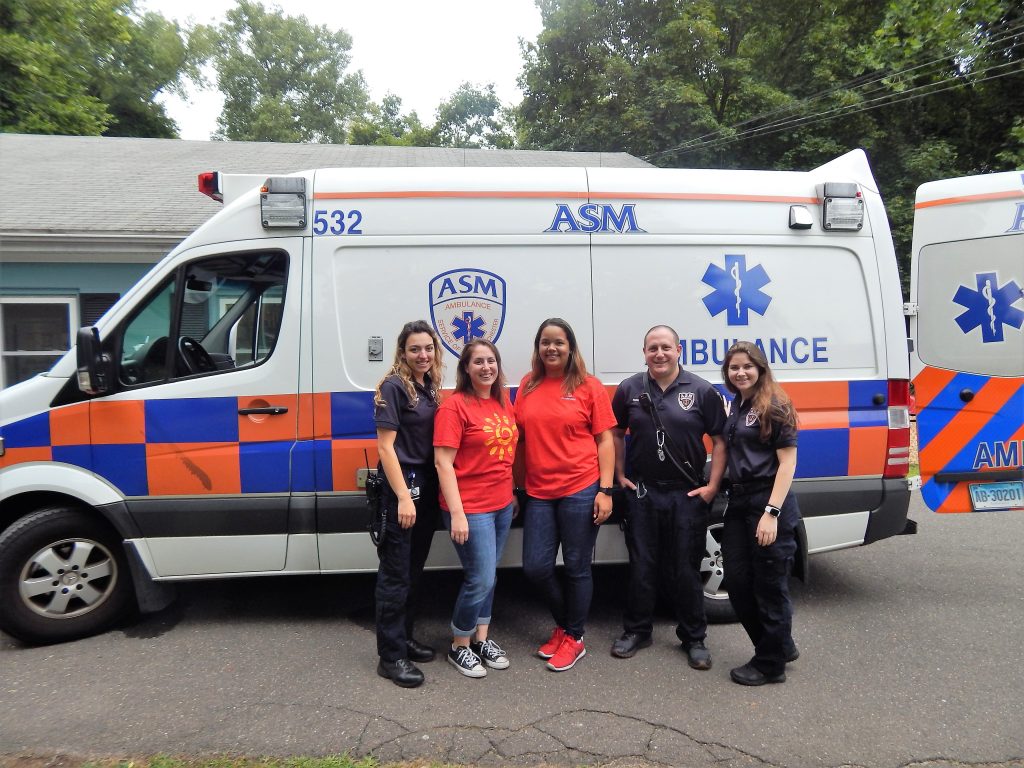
(201, 429)
(967, 281)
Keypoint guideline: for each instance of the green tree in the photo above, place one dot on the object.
(89, 67)
(284, 79)
(384, 124)
(473, 117)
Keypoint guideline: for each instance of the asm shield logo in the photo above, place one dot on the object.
(467, 304)
(737, 290)
(989, 306)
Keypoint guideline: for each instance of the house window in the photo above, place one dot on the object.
(35, 332)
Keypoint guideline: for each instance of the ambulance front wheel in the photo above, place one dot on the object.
(63, 576)
(717, 607)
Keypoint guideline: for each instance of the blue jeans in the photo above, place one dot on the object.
(569, 522)
(479, 556)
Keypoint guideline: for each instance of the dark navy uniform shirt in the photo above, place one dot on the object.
(689, 408)
(749, 458)
(414, 442)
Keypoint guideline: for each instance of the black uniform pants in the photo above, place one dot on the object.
(402, 556)
(758, 577)
(666, 523)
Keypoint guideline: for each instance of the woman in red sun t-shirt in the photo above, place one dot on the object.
(475, 439)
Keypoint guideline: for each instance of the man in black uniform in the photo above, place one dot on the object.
(667, 412)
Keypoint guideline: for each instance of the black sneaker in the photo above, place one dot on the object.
(491, 654)
(697, 654)
(466, 661)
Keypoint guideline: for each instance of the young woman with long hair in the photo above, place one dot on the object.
(759, 536)
(568, 464)
(405, 403)
(475, 440)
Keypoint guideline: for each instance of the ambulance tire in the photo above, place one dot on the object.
(717, 607)
(63, 576)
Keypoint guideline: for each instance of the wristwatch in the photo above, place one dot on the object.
(773, 511)
(607, 490)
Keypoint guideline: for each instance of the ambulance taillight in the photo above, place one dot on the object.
(209, 185)
(897, 448)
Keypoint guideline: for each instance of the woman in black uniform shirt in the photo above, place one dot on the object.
(406, 401)
(759, 536)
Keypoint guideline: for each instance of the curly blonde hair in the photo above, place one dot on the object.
(400, 367)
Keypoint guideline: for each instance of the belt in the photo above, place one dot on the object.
(668, 485)
(748, 487)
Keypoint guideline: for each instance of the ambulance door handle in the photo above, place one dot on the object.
(966, 395)
(272, 410)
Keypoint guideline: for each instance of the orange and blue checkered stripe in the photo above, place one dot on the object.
(198, 446)
(949, 431)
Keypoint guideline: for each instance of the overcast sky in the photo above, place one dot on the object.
(420, 50)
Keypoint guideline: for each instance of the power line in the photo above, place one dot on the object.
(712, 138)
(726, 141)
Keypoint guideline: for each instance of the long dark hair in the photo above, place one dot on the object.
(400, 367)
(575, 367)
(769, 400)
(464, 384)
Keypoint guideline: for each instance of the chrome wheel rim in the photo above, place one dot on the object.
(68, 578)
(712, 572)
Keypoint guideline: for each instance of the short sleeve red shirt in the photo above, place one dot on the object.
(559, 430)
(484, 435)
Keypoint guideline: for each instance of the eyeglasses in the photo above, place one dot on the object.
(645, 402)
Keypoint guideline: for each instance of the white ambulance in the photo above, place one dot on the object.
(218, 420)
(967, 313)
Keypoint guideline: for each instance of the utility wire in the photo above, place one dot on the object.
(722, 133)
(726, 141)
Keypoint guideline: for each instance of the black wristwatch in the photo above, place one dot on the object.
(773, 511)
(607, 490)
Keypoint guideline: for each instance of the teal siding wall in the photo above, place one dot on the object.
(53, 279)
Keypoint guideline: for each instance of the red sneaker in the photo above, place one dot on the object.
(569, 652)
(550, 648)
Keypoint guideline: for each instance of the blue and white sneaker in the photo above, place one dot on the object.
(466, 661)
(491, 654)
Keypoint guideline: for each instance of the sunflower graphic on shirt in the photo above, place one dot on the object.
(501, 435)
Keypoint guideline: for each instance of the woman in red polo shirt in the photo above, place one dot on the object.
(565, 418)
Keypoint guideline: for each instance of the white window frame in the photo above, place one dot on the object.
(72, 304)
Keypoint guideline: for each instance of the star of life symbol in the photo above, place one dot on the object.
(467, 304)
(751, 419)
(989, 306)
(737, 290)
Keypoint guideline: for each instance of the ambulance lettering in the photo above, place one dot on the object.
(595, 217)
(999, 455)
(467, 304)
(1018, 220)
(989, 306)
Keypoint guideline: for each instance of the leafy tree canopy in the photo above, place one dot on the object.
(284, 79)
(90, 67)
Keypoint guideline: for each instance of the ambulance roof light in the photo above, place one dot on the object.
(283, 202)
(842, 208)
(209, 184)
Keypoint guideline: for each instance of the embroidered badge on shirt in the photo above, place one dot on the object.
(751, 419)
(686, 400)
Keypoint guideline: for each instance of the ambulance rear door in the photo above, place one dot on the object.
(967, 333)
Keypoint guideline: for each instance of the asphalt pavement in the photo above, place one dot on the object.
(912, 652)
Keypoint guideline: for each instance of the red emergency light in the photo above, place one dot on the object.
(209, 185)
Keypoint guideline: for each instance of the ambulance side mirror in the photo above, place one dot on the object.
(93, 365)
